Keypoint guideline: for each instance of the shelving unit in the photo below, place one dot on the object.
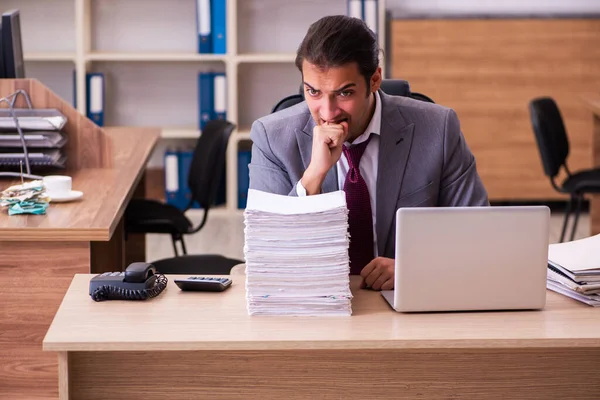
(148, 53)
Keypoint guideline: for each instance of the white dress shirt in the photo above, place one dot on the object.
(368, 164)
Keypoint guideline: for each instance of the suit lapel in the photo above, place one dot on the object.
(304, 138)
(394, 147)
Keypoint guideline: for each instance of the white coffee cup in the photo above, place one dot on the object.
(57, 185)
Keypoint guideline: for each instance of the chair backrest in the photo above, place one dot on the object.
(288, 102)
(550, 134)
(208, 162)
(197, 264)
(394, 87)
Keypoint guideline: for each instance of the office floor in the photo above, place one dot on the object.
(224, 234)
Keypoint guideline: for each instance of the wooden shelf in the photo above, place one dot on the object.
(189, 57)
(180, 133)
(266, 58)
(192, 133)
(241, 135)
(49, 56)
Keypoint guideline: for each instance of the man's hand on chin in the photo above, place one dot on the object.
(378, 274)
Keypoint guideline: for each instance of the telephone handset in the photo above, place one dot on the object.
(139, 282)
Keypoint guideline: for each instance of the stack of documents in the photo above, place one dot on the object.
(296, 251)
(48, 119)
(50, 158)
(39, 139)
(42, 136)
(574, 269)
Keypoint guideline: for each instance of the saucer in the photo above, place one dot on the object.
(72, 195)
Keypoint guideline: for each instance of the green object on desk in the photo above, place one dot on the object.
(28, 207)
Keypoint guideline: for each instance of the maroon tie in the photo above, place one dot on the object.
(360, 220)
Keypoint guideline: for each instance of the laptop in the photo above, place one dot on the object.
(470, 258)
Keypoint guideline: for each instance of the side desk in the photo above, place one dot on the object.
(191, 345)
(41, 254)
(593, 104)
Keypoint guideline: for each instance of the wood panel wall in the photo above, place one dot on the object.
(488, 70)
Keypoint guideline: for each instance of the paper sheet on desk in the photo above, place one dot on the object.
(36, 120)
(581, 255)
(278, 204)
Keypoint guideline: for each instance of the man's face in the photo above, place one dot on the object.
(340, 94)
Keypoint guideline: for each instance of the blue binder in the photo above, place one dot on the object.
(219, 26)
(219, 96)
(244, 157)
(205, 97)
(173, 194)
(203, 22)
(185, 162)
(94, 85)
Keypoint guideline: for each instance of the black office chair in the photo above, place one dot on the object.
(553, 145)
(206, 170)
(201, 264)
(394, 87)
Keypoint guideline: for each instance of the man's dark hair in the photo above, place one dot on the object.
(337, 40)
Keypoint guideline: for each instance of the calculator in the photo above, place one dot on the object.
(203, 284)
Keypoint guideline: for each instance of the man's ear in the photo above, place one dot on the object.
(376, 80)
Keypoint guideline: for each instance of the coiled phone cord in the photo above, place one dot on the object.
(107, 292)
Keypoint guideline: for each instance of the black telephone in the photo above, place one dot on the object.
(139, 282)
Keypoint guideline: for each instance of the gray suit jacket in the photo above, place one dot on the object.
(424, 160)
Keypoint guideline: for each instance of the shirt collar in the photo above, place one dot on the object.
(374, 125)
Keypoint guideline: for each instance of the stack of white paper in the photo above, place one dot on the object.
(296, 251)
(574, 269)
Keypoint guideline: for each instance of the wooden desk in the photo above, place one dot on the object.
(190, 345)
(41, 253)
(593, 103)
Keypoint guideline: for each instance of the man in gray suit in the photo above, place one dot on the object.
(409, 153)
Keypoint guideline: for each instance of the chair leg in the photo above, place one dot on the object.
(577, 212)
(174, 241)
(566, 221)
(183, 245)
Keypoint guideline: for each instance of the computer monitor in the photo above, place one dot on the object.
(12, 49)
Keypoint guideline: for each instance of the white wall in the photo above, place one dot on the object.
(452, 7)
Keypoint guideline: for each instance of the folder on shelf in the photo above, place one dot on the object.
(204, 26)
(41, 139)
(370, 15)
(355, 8)
(219, 26)
(94, 83)
(48, 119)
(50, 158)
(185, 162)
(172, 192)
(220, 96)
(205, 97)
